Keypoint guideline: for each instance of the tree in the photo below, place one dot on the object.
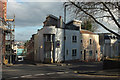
(97, 11)
(89, 25)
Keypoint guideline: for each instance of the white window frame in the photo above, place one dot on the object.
(74, 39)
(74, 54)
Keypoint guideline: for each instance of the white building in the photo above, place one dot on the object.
(76, 45)
(110, 45)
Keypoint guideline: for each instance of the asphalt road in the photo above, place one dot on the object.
(61, 71)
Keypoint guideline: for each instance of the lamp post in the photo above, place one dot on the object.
(64, 30)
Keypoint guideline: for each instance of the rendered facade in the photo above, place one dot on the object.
(54, 43)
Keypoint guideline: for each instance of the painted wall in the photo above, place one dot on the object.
(69, 45)
(94, 46)
(72, 45)
(111, 48)
(40, 46)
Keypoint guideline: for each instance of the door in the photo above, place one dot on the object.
(84, 54)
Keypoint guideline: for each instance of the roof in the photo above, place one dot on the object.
(52, 16)
(74, 21)
(86, 32)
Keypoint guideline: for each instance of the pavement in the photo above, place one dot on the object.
(58, 71)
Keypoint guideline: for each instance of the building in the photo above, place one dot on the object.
(1, 46)
(6, 29)
(57, 44)
(110, 45)
(90, 46)
(30, 49)
(36, 55)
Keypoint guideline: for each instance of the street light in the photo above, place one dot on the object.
(64, 30)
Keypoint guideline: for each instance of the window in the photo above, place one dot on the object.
(74, 52)
(47, 38)
(96, 51)
(74, 38)
(67, 52)
(90, 53)
(90, 41)
(81, 52)
(64, 37)
(93, 42)
(81, 41)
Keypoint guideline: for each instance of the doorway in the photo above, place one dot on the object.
(84, 54)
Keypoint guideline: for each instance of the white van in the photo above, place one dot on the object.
(20, 58)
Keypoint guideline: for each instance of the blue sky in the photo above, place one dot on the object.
(25, 33)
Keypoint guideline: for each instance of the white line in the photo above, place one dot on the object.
(26, 76)
(39, 74)
(14, 77)
(60, 72)
(49, 73)
(66, 72)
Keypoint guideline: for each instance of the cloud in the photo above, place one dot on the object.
(32, 13)
(25, 34)
(37, 0)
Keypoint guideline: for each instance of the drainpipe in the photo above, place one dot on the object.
(64, 30)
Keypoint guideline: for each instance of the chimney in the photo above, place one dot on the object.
(61, 22)
(77, 23)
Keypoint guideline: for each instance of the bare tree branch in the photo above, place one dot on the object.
(95, 19)
(112, 15)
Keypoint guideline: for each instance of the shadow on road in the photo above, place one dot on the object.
(25, 62)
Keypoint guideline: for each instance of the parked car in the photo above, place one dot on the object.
(20, 58)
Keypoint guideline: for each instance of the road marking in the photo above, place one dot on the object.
(75, 71)
(66, 72)
(39, 74)
(86, 75)
(25, 76)
(60, 72)
(50, 73)
(14, 77)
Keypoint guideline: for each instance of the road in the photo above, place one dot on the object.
(60, 71)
